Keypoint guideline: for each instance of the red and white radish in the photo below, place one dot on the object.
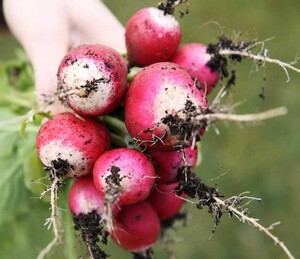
(128, 170)
(161, 106)
(164, 200)
(151, 36)
(167, 164)
(92, 79)
(84, 197)
(137, 227)
(89, 214)
(69, 146)
(193, 57)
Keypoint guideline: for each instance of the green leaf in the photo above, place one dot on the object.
(14, 155)
(16, 99)
(24, 235)
(17, 73)
(22, 213)
(23, 128)
(38, 117)
(70, 237)
(12, 188)
(34, 174)
(17, 85)
(7, 139)
(34, 119)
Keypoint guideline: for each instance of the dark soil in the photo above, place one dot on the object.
(204, 195)
(220, 63)
(170, 223)
(148, 254)
(58, 170)
(93, 85)
(91, 230)
(114, 178)
(185, 127)
(170, 6)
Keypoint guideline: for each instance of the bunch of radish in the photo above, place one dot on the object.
(126, 173)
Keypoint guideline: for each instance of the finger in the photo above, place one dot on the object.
(42, 29)
(94, 23)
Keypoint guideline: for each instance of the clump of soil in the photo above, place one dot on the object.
(170, 6)
(93, 86)
(147, 254)
(193, 187)
(220, 63)
(92, 231)
(57, 172)
(169, 223)
(59, 168)
(186, 127)
(114, 178)
(113, 181)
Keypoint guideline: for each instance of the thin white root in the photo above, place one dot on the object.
(254, 222)
(110, 199)
(52, 98)
(233, 207)
(262, 58)
(91, 255)
(245, 117)
(108, 215)
(53, 221)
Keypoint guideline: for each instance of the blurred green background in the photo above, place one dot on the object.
(263, 158)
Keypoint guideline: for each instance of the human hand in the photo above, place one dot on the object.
(47, 29)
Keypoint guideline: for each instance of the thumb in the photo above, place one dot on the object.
(43, 30)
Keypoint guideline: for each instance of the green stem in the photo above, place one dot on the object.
(120, 136)
(15, 98)
(115, 125)
(69, 234)
(132, 72)
(117, 140)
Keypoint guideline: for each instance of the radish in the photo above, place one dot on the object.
(161, 106)
(87, 206)
(164, 200)
(151, 36)
(128, 172)
(69, 146)
(84, 197)
(92, 79)
(137, 227)
(194, 58)
(167, 164)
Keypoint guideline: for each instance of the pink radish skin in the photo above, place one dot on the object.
(166, 164)
(151, 37)
(71, 145)
(98, 74)
(193, 57)
(157, 91)
(135, 170)
(165, 201)
(84, 197)
(137, 227)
